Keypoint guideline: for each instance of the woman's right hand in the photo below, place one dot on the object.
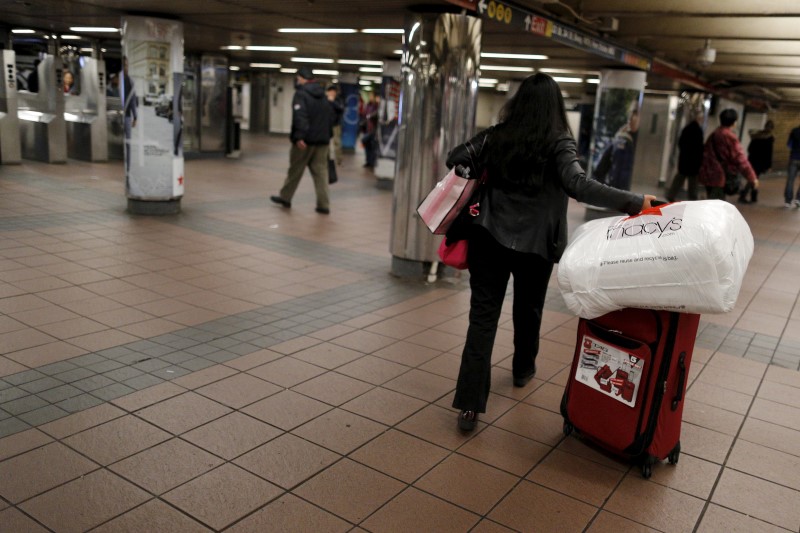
(648, 198)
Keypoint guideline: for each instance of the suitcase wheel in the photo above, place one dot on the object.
(568, 429)
(647, 470)
(675, 454)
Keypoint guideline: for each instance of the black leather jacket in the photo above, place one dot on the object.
(535, 221)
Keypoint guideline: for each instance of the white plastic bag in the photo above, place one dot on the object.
(685, 256)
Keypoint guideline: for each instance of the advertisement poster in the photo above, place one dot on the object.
(610, 371)
(388, 118)
(351, 117)
(616, 127)
(151, 94)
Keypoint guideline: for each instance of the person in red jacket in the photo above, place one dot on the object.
(723, 155)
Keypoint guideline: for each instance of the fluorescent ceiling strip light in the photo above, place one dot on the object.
(85, 50)
(488, 80)
(233, 67)
(325, 72)
(513, 56)
(358, 62)
(265, 65)
(370, 69)
(398, 52)
(22, 30)
(288, 70)
(376, 79)
(316, 30)
(311, 60)
(364, 82)
(270, 48)
(100, 29)
(70, 37)
(569, 71)
(562, 79)
(384, 30)
(506, 68)
(230, 47)
(593, 80)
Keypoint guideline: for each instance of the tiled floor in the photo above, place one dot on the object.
(245, 368)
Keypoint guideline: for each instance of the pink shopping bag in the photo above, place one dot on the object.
(443, 204)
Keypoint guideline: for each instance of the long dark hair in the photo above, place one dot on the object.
(530, 122)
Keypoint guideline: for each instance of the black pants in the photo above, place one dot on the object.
(490, 265)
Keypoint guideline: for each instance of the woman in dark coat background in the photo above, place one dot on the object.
(759, 153)
(521, 229)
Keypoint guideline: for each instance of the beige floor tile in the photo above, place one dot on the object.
(22, 442)
(719, 397)
(94, 342)
(364, 341)
(505, 450)
(333, 388)
(738, 364)
(771, 435)
(209, 498)
(721, 520)
(548, 396)
(46, 315)
(780, 393)
(407, 354)
(438, 426)
(704, 443)
(384, 406)
(414, 510)
(8, 367)
(776, 413)
(154, 516)
(290, 514)
(238, 390)
(446, 365)
(252, 360)
(372, 369)
(765, 463)
(726, 379)
(533, 422)
(340, 431)
(85, 502)
(22, 339)
(36, 471)
(709, 417)
(287, 460)
(758, 498)
(582, 479)
(656, 506)
(116, 440)
(145, 397)
(13, 521)
(286, 410)
(74, 423)
(349, 490)
(531, 507)
(783, 375)
(399, 455)
(487, 526)
(232, 435)
(165, 466)
(204, 377)
(396, 328)
(45, 354)
(422, 385)
(182, 413)
(691, 475)
(454, 480)
(328, 355)
(606, 522)
(286, 372)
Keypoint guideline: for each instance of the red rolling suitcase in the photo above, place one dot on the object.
(628, 380)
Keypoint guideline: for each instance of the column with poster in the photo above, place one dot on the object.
(152, 77)
(388, 124)
(349, 93)
(616, 127)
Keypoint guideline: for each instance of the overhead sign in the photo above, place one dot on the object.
(528, 22)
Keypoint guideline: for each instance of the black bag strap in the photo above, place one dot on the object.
(476, 157)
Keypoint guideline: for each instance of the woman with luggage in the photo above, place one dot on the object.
(520, 228)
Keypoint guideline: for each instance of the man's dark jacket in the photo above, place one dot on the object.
(312, 115)
(690, 146)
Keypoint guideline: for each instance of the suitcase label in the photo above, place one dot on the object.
(609, 370)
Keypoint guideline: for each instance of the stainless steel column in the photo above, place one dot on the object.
(10, 147)
(437, 112)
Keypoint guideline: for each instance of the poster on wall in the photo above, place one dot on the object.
(388, 118)
(616, 127)
(351, 116)
(152, 74)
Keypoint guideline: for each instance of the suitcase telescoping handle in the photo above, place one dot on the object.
(681, 380)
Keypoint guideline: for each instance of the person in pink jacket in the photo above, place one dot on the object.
(723, 156)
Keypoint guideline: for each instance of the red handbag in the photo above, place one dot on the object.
(454, 254)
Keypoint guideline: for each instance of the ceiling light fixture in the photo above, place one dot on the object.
(358, 62)
(288, 70)
(325, 72)
(489, 80)
(271, 48)
(398, 52)
(96, 29)
(230, 47)
(265, 65)
(513, 56)
(506, 68)
(234, 68)
(22, 30)
(371, 69)
(70, 37)
(311, 60)
(384, 30)
(562, 79)
(316, 30)
(593, 80)
(364, 82)
(569, 71)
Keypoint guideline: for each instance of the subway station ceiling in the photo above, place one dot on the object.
(757, 44)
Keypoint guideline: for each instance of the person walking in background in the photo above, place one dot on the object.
(33, 77)
(759, 153)
(690, 157)
(338, 109)
(615, 167)
(723, 156)
(794, 162)
(370, 137)
(521, 229)
(312, 122)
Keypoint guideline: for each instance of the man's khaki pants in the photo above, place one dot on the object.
(316, 159)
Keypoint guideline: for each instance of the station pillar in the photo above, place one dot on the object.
(439, 94)
(151, 84)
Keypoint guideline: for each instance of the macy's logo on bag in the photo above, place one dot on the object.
(660, 223)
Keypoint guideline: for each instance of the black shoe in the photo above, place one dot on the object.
(467, 420)
(323, 210)
(523, 380)
(280, 201)
(754, 197)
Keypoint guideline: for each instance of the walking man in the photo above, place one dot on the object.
(794, 162)
(312, 122)
(723, 157)
(690, 157)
